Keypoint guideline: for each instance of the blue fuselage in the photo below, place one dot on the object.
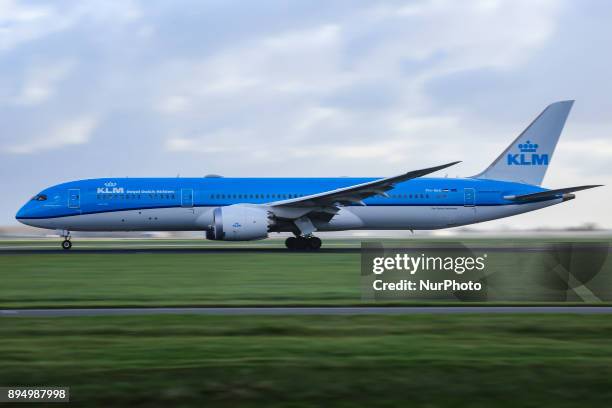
(96, 196)
(189, 204)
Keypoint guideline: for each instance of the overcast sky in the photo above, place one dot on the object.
(301, 88)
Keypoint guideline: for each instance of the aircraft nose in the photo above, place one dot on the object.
(22, 214)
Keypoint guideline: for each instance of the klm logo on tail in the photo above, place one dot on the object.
(527, 156)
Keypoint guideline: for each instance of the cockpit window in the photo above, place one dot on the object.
(39, 197)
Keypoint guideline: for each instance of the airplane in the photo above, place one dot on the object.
(244, 209)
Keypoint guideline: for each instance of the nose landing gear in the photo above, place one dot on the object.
(310, 243)
(66, 244)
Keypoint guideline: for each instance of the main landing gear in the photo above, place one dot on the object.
(310, 243)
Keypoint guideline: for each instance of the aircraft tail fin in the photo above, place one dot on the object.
(528, 156)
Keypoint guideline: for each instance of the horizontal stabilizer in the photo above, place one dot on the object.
(548, 194)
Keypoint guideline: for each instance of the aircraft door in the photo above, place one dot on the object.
(74, 198)
(187, 197)
(469, 209)
(468, 197)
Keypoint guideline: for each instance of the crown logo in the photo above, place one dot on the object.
(110, 184)
(528, 147)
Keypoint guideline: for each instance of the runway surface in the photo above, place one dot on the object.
(305, 311)
(165, 250)
(332, 249)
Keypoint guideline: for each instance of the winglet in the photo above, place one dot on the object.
(423, 172)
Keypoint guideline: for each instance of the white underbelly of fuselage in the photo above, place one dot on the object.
(348, 218)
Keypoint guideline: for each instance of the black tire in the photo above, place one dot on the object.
(301, 244)
(66, 245)
(314, 243)
(290, 243)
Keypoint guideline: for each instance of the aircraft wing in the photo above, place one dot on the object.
(548, 194)
(357, 193)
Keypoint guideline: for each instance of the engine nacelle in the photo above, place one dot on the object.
(239, 223)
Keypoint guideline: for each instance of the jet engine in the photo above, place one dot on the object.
(239, 223)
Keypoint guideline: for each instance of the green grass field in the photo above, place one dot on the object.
(150, 278)
(426, 361)
(471, 360)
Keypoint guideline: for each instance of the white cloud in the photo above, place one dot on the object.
(173, 104)
(289, 75)
(71, 132)
(447, 36)
(41, 80)
(21, 23)
(595, 147)
(11, 10)
(216, 142)
(405, 136)
(291, 62)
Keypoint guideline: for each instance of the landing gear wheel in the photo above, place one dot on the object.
(314, 243)
(302, 243)
(296, 243)
(290, 242)
(66, 244)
